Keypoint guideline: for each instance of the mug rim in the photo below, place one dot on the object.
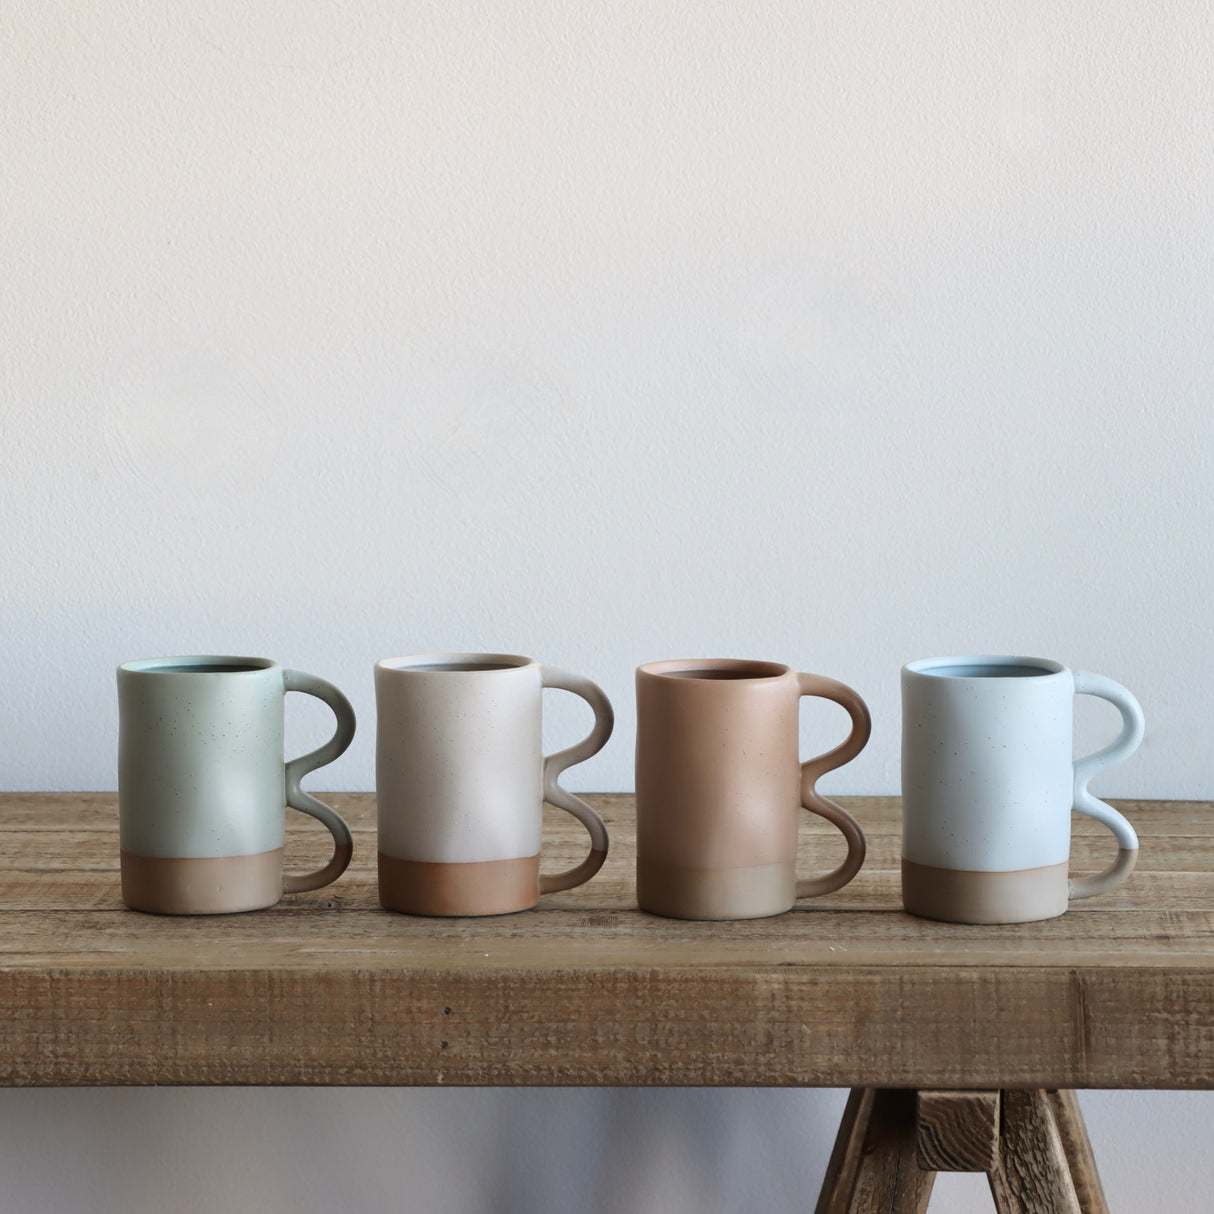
(938, 668)
(450, 663)
(764, 671)
(199, 663)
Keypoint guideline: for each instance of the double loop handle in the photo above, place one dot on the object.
(296, 769)
(1124, 745)
(814, 769)
(554, 764)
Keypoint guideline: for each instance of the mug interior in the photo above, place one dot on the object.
(456, 663)
(986, 667)
(202, 664)
(715, 670)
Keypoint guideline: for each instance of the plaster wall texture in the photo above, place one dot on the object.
(837, 334)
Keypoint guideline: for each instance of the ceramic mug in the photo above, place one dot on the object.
(719, 784)
(202, 785)
(988, 785)
(461, 779)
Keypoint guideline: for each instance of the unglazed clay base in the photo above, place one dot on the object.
(960, 896)
(220, 886)
(488, 887)
(715, 893)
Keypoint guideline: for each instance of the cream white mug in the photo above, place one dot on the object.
(460, 782)
(988, 786)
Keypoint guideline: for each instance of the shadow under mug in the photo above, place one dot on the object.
(202, 784)
(988, 786)
(719, 787)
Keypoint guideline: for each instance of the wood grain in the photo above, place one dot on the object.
(958, 1131)
(873, 1168)
(845, 990)
(1033, 1176)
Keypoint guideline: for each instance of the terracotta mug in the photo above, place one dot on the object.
(719, 784)
(202, 785)
(988, 785)
(460, 782)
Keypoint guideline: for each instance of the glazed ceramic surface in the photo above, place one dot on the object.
(719, 786)
(202, 784)
(988, 785)
(460, 782)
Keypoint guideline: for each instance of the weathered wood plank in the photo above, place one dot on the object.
(845, 990)
(329, 932)
(661, 1026)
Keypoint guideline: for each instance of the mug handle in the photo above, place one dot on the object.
(1132, 728)
(296, 769)
(554, 764)
(813, 769)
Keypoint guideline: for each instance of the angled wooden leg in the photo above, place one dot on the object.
(1078, 1148)
(844, 1163)
(873, 1168)
(1032, 1145)
(1033, 1175)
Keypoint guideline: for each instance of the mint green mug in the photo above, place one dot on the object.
(202, 784)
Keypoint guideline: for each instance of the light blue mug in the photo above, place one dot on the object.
(989, 783)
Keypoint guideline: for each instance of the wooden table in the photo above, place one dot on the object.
(991, 1027)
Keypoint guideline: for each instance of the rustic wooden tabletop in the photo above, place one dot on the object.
(846, 990)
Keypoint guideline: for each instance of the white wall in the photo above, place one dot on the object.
(838, 334)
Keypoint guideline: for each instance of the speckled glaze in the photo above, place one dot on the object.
(988, 786)
(719, 786)
(460, 782)
(202, 784)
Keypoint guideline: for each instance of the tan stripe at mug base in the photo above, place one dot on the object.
(222, 885)
(751, 892)
(965, 896)
(486, 887)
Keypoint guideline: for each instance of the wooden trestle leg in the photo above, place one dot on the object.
(873, 1168)
(1032, 1145)
(1078, 1148)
